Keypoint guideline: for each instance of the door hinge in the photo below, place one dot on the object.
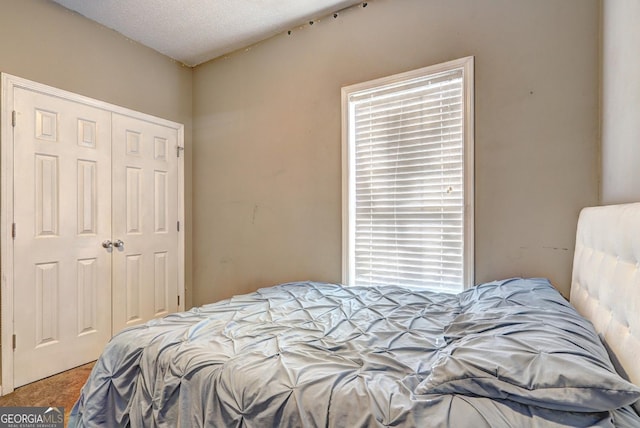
(13, 118)
(178, 150)
(178, 300)
(14, 341)
(178, 226)
(13, 230)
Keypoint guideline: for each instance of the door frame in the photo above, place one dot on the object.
(8, 85)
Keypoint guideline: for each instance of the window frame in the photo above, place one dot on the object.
(466, 64)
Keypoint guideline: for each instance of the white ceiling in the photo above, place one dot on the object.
(195, 31)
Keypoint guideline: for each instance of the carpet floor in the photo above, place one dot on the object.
(61, 390)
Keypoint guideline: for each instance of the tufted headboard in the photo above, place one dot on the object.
(605, 286)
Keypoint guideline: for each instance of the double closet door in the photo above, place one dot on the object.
(96, 240)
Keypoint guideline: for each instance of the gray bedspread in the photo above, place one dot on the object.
(509, 353)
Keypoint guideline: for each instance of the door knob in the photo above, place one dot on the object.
(107, 244)
(118, 244)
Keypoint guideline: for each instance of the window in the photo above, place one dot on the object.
(408, 179)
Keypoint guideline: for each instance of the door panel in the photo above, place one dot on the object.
(62, 211)
(145, 215)
(78, 165)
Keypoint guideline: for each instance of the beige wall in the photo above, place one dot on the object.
(267, 174)
(620, 101)
(44, 42)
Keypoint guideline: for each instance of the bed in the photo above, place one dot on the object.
(508, 353)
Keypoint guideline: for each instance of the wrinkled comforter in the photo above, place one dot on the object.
(509, 353)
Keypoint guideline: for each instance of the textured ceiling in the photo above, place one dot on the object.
(195, 31)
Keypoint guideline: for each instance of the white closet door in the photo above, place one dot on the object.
(62, 211)
(145, 216)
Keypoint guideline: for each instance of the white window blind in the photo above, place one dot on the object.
(406, 190)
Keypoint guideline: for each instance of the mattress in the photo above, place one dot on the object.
(508, 353)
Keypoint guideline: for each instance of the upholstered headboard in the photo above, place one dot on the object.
(605, 287)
